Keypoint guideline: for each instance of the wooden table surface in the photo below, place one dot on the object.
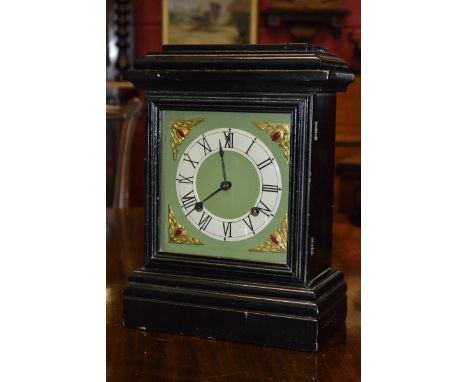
(138, 355)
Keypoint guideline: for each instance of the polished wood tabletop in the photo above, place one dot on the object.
(138, 355)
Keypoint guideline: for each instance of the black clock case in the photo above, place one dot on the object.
(296, 305)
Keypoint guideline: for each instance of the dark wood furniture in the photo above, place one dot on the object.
(122, 114)
(348, 171)
(137, 355)
(119, 92)
(304, 22)
(348, 145)
(120, 45)
(348, 121)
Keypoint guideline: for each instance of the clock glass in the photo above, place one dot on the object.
(225, 184)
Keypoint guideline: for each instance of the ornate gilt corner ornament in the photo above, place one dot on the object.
(279, 133)
(178, 233)
(278, 240)
(180, 130)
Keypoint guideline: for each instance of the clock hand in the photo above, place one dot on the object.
(223, 187)
(221, 154)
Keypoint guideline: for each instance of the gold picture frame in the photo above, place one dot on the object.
(209, 21)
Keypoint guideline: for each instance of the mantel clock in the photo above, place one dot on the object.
(239, 194)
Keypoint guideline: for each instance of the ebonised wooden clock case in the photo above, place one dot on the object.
(294, 305)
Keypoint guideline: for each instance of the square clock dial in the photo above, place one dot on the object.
(224, 188)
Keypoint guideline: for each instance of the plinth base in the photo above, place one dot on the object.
(296, 317)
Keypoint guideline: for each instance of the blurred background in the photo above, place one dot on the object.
(136, 27)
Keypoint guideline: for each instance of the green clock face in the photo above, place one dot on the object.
(225, 184)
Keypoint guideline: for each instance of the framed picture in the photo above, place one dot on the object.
(210, 21)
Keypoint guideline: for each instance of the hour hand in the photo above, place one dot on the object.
(221, 154)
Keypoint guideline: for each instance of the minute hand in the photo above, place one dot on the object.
(221, 154)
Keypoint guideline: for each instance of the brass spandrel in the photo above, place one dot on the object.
(177, 232)
(277, 241)
(180, 130)
(278, 132)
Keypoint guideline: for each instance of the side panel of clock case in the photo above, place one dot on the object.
(321, 207)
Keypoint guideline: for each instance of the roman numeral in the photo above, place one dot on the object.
(185, 179)
(229, 139)
(249, 224)
(204, 143)
(188, 200)
(265, 163)
(188, 159)
(227, 229)
(251, 145)
(270, 188)
(265, 210)
(204, 221)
